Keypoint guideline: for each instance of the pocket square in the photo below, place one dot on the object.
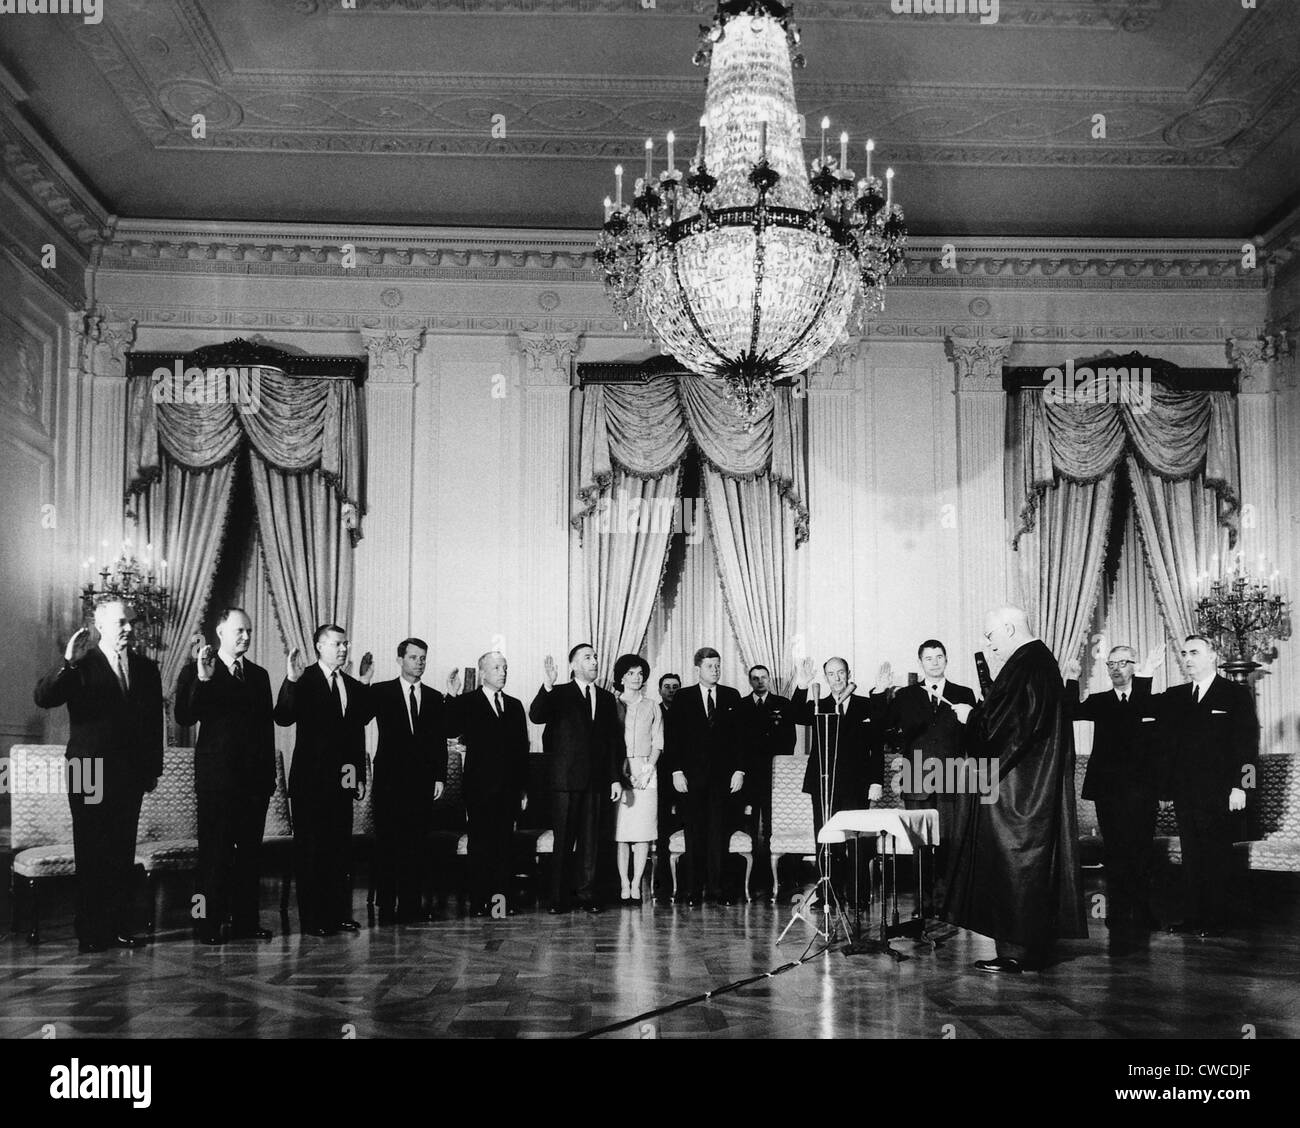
(1218, 712)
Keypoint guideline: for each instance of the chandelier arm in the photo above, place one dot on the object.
(760, 256)
(690, 309)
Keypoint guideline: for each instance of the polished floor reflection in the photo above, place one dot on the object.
(535, 976)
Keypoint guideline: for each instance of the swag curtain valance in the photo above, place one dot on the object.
(646, 429)
(1177, 436)
(631, 444)
(306, 462)
(299, 424)
(1179, 454)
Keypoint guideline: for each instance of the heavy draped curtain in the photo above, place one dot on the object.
(303, 441)
(632, 440)
(1180, 453)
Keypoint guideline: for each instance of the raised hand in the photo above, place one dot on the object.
(366, 670)
(884, 678)
(549, 672)
(78, 646)
(737, 781)
(207, 663)
(453, 683)
(293, 665)
(807, 672)
(1152, 662)
(196, 645)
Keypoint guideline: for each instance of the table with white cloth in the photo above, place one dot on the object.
(896, 831)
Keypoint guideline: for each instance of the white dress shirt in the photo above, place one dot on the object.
(343, 689)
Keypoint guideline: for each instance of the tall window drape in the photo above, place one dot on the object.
(1180, 455)
(304, 447)
(633, 438)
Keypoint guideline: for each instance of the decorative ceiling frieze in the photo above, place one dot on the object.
(166, 63)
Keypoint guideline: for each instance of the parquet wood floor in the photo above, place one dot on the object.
(538, 976)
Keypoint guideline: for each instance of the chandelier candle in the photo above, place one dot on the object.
(871, 148)
(649, 157)
(748, 269)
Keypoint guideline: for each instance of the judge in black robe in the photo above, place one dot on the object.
(1015, 873)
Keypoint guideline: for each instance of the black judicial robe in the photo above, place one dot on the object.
(1015, 870)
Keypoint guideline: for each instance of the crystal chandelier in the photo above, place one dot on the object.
(746, 268)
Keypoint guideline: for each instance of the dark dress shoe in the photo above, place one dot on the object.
(1003, 965)
(592, 907)
(87, 946)
(349, 926)
(319, 931)
(211, 939)
(125, 941)
(252, 934)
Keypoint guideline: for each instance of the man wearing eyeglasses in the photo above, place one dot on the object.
(1121, 782)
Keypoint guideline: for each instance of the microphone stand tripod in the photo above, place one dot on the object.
(835, 925)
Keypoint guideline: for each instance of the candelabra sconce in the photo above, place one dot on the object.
(1245, 618)
(137, 584)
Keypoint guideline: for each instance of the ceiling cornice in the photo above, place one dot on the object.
(490, 254)
(41, 178)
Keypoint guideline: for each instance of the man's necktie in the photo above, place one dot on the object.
(121, 674)
(336, 692)
(586, 696)
(1123, 698)
(496, 703)
(839, 706)
(239, 670)
(710, 708)
(415, 710)
(1196, 695)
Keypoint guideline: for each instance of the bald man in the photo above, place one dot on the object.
(115, 710)
(1015, 872)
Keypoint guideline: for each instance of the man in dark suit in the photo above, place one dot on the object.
(583, 746)
(928, 727)
(115, 755)
(854, 761)
(668, 819)
(229, 698)
(1121, 781)
(328, 773)
(410, 774)
(494, 731)
(766, 723)
(702, 747)
(1209, 733)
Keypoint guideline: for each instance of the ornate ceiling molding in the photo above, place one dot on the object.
(251, 318)
(488, 255)
(166, 64)
(1124, 15)
(39, 177)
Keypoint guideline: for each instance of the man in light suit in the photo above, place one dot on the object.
(583, 746)
(766, 722)
(229, 698)
(115, 755)
(1121, 782)
(1210, 737)
(328, 773)
(705, 763)
(494, 731)
(410, 775)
